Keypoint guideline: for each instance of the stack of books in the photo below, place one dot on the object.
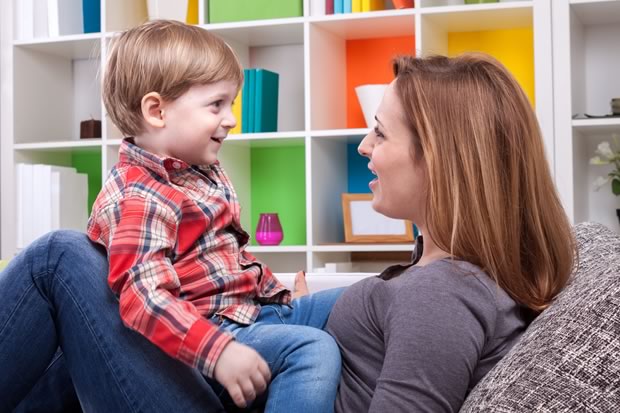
(259, 111)
(49, 198)
(51, 18)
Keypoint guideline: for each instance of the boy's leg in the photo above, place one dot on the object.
(55, 293)
(304, 361)
(310, 310)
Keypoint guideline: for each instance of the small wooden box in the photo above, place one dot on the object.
(90, 129)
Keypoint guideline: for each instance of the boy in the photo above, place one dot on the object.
(169, 219)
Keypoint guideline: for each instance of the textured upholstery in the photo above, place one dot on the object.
(568, 360)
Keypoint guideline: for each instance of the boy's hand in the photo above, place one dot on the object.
(301, 287)
(243, 372)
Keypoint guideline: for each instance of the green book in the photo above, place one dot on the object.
(266, 101)
(221, 11)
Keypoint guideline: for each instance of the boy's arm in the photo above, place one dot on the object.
(139, 234)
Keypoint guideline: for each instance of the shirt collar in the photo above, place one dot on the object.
(162, 166)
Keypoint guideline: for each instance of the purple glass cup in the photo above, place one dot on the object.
(269, 230)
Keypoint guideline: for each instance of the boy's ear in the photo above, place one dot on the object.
(152, 110)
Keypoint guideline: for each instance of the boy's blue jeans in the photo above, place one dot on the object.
(304, 360)
(54, 294)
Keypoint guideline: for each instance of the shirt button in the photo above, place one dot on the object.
(201, 183)
(176, 165)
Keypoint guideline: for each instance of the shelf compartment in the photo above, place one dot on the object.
(269, 176)
(86, 160)
(279, 48)
(56, 84)
(504, 31)
(595, 56)
(337, 169)
(342, 59)
(281, 262)
(597, 126)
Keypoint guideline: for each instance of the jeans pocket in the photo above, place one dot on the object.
(271, 314)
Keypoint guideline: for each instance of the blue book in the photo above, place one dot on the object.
(91, 13)
(266, 101)
(347, 6)
(252, 100)
(247, 103)
(338, 6)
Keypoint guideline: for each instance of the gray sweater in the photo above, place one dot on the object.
(420, 341)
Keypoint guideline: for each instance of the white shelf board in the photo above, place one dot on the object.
(362, 247)
(90, 143)
(597, 126)
(369, 25)
(596, 12)
(480, 17)
(79, 46)
(276, 248)
(340, 133)
(265, 135)
(271, 32)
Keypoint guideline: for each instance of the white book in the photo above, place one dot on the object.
(42, 219)
(41, 25)
(65, 17)
(62, 179)
(167, 9)
(317, 7)
(25, 19)
(74, 202)
(23, 179)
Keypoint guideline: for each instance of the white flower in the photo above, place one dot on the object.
(604, 150)
(600, 182)
(598, 161)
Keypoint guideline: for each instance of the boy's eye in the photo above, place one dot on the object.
(217, 103)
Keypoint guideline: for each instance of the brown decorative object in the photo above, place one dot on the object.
(90, 129)
(362, 224)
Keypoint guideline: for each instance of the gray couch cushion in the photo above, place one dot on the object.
(568, 360)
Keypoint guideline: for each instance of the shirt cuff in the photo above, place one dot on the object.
(205, 342)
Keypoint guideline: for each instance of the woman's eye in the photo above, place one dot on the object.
(378, 133)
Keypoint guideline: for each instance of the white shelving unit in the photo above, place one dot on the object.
(586, 55)
(49, 85)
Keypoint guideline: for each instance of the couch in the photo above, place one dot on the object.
(568, 360)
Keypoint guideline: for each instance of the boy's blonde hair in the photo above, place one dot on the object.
(163, 56)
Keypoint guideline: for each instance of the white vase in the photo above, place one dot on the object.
(370, 97)
(167, 9)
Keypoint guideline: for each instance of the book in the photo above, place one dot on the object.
(266, 101)
(245, 96)
(221, 11)
(329, 6)
(356, 6)
(24, 26)
(317, 7)
(40, 25)
(347, 6)
(252, 100)
(64, 17)
(372, 5)
(338, 6)
(91, 16)
(237, 110)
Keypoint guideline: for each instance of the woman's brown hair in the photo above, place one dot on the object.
(491, 199)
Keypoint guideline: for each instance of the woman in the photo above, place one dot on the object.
(457, 150)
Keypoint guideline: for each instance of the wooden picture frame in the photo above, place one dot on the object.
(362, 224)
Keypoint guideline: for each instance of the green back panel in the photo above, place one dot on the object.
(89, 162)
(238, 10)
(279, 185)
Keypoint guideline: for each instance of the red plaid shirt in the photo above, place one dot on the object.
(177, 254)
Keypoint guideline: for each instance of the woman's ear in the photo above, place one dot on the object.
(152, 110)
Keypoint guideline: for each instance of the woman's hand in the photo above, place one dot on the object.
(301, 287)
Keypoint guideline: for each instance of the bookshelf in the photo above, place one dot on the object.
(301, 170)
(586, 57)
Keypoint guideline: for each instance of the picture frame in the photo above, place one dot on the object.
(362, 224)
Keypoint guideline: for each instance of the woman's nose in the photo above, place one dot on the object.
(365, 146)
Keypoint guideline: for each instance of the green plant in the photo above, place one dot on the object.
(607, 154)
